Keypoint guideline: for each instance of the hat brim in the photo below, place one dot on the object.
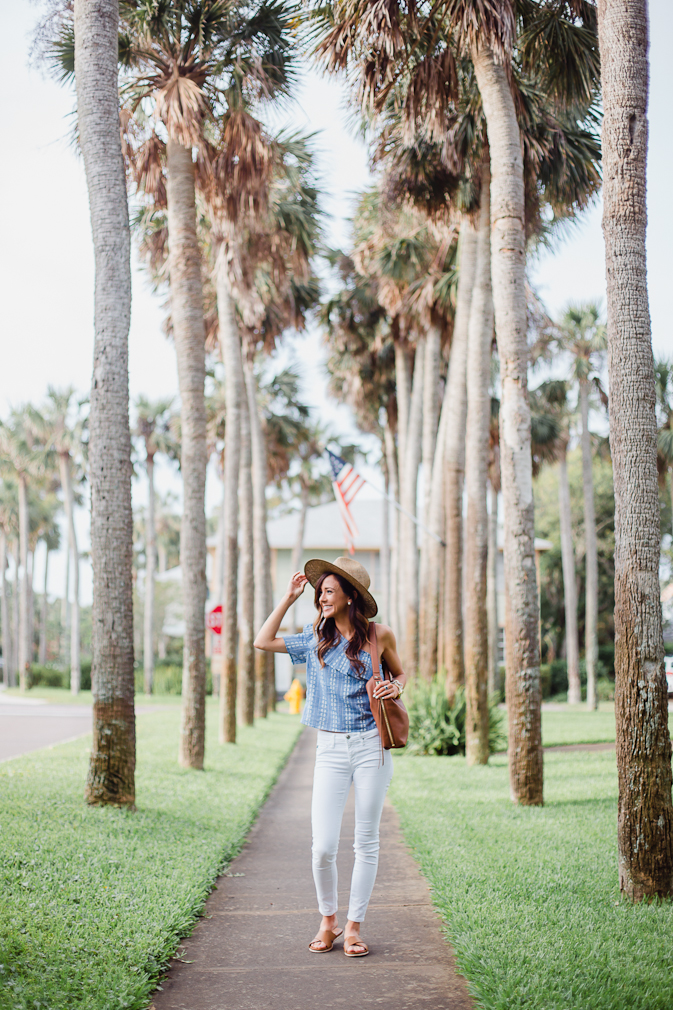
(314, 568)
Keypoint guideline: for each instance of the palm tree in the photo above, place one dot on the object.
(8, 526)
(480, 337)
(154, 429)
(111, 777)
(387, 43)
(645, 814)
(51, 537)
(194, 63)
(663, 377)
(550, 438)
(63, 434)
(19, 449)
(585, 338)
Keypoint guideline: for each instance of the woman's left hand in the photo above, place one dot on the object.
(386, 689)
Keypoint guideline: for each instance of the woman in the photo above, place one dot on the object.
(336, 651)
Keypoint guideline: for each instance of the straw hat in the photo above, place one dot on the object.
(348, 569)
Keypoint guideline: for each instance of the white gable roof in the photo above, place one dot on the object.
(324, 528)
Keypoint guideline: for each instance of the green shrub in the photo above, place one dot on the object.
(168, 679)
(48, 676)
(435, 727)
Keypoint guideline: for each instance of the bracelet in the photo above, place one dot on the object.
(400, 687)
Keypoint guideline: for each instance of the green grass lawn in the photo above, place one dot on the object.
(530, 896)
(94, 901)
(576, 724)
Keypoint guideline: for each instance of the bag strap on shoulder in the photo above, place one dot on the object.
(374, 647)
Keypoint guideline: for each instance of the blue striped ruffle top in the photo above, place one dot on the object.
(336, 698)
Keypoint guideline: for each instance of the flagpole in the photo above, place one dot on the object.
(406, 513)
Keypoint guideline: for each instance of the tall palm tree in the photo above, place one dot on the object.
(480, 337)
(645, 814)
(111, 777)
(585, 338)
(153, 427)
(62, 433)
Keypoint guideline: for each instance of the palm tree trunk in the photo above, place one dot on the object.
(408, 500)
(186, 289)
(231, 356)
(591, 553)
(4, 613)
(23, 651)
(569, 583)
(455, 403)
(65, 611)
(150, 566)
(430, 440)
(298, 549)
(384, 556)
(262, 554)
(246, 668)
(480, 335)
(492, 594)
(31, 608)
(508, 263)
(68, 502)
(111, 777)
(403, 392)
(14, 676)
(161, 567)
(44, 612)
(393, 484)
(645, 817)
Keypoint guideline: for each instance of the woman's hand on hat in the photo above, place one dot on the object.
(296, 586)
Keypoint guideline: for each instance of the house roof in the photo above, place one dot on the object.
(324, 528)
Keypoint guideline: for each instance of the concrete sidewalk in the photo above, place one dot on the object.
(250, 951)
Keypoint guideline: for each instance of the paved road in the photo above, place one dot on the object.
(28, 725)
(250, 952)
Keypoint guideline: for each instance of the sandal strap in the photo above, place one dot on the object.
(355, 941)
(325, 936)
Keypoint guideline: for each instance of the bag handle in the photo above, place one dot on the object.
(374, 647)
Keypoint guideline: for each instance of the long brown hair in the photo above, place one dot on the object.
(328, 634)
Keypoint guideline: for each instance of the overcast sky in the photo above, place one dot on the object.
(47, 259)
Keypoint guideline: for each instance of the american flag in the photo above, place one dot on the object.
(346, 483)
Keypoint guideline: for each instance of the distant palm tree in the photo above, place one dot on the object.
(153, 427)
(584, 336)
(21, 451)
(550, 437)
(62, 433)
(8, 530)
(663, 378)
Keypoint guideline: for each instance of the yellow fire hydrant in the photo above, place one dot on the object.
(294, 696)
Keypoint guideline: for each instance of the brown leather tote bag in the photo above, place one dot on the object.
(390, 715)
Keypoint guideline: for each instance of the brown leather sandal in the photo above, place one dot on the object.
(355, 941)
(325, 936)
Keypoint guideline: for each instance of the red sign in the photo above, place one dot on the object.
(214, 619)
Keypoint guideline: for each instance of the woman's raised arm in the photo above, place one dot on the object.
(266, 639)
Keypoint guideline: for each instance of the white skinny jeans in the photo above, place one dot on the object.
(342, 758)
